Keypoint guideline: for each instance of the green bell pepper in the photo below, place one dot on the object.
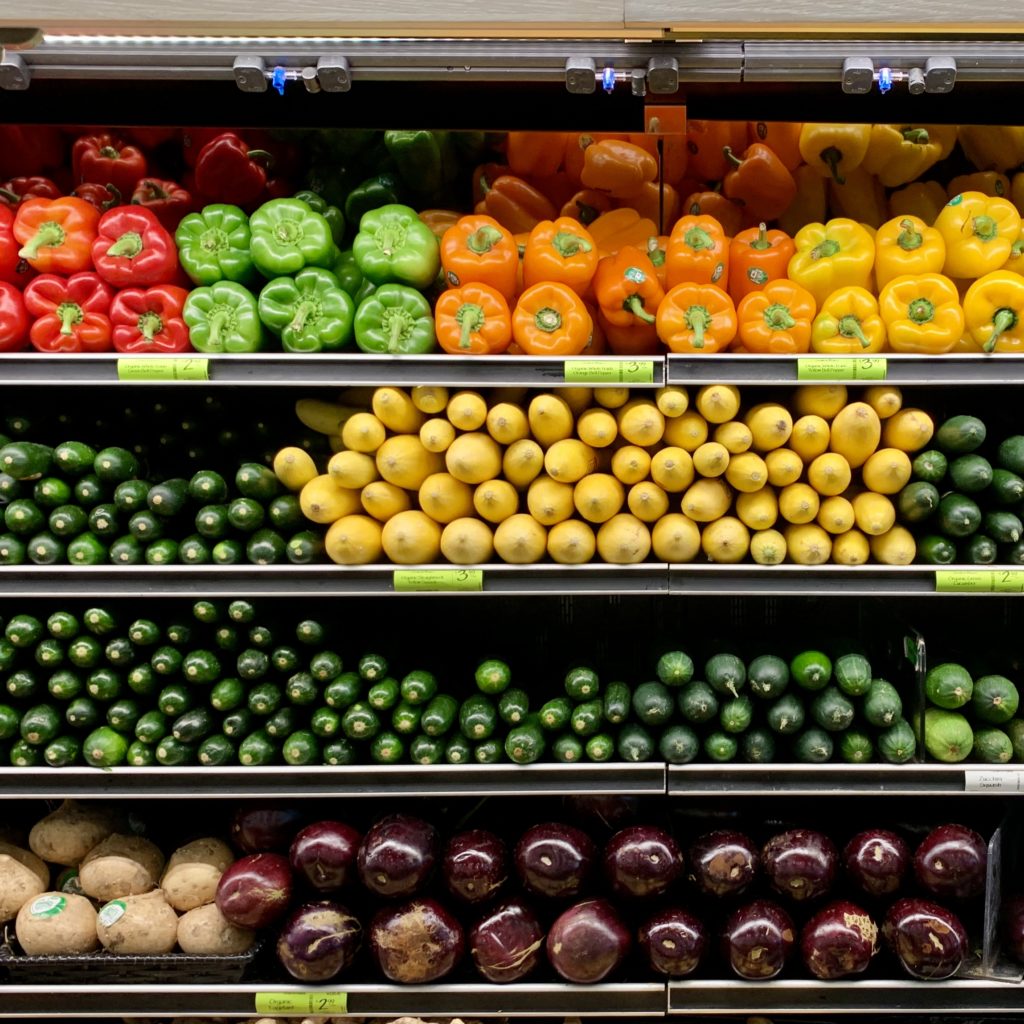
(395, 320)
(287, 235)
(332, 214)
(417, 155)
(223, 318)
(393, 244)
(380, 190)
(350, 277)
(214, 245)
(310, 312)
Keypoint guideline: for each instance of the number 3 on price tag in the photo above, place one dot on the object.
(302, 1002)
(609, 371)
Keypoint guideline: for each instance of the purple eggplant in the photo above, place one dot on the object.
(397, 856)
(758, 940)
(800, 863)
(673, 941)
(554, 860)
(587, 942)
(1013, 927)
(256, 890)
(506, 942)
(324, 855)
(265, 828)
(416, 942)
(951, 862)
(928, 940)
(838, 941)
(723, 863)
(318, 941)
(877, 860)
(474, 865)
(642, 861)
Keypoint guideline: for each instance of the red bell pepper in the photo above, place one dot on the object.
(149, 320)
(193, 140)
(228, 171)
(56, 234)
(29, 149)
(15, 191)
(71, 313)
(133, 248)
(13, 268)
(103, 197)
(105, 157)
(13, 319)
(151, 136)
(167, 199)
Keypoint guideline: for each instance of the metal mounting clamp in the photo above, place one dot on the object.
(940, 74)
(858, 75)
(250, 74)
(581, 75)
(14, 72)
(334, 74)
(663, 75)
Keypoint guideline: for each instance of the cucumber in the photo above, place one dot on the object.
(736, 714)
(193, 725)
(23, 685)
(721, 747)
(265, 547)
(635, 743)
(151, 727)
(206, 611)
(344, 691)
(195, 550)
(936, 550)
(587, 718)
(554, 715)
(256, 481)
(992, 746)
(373, 667)
(63, 626)
(301, 689)
(130, 495)
(178, 633)
(24, 517)
(492, 677)
(883, 705)
(917, 501)
(675, 668)
(174, 700)
(653, 703)
(12, 550)
(114, 465)
(856, 747)
(387, 748)
(73, 458)
(582, 684)
(814, 746)
(257, 749)
(52, 492)
(568, 749)
(678, 744)
(948, 686)
(1007, 486)
(768, 676)
(309, 631)
(513, 706)
(285, 513)
(478, 717)
(970, 474)
(439, 716)
(726, 674)
(211, 521)
(811, 670)
(90, 490)
(24, 459)
(201, 667)
(67, 521)
(264, 698)
(286, 660)
(226, 638)
(427, 750)
(325, 665)
(104, 748)
(82, 713)
(123, 715)
(304, 547)
(172, 752)
(418, 687)
(301, 748)
(142, 680)
(697, 702)
(146, 526)
(524, 743)
(126, 551)
(405, 719)
(242, 612)
(617, 702)
(958, 515)
(207, 486)
(140, 755)
(166, 660)
(283, 722)
(103, 684)
(245, 514)
(24, 755)
(360, 722)
(252, 664)
(45, 549)
(227, 695)
(339, 751)
(1004, 527)
(831, 710)
(261, 636)
(458, 749)
(144, 633)
(237, 723)
(40, 724)
(120, 652)
(216, 750)
(49, 653)
(853, 674)
(65, 751)
(994, 699)
(600, 747)
(980, 550)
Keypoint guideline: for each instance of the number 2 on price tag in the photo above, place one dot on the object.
(302, 1002)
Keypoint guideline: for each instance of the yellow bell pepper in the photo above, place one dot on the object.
(906, 245)
(979, 231)
(994, 311)
(810, 203)
(922, 199)
(848, 324)
(833, 150)
(1015, 262)
(832, 255)
(922, 313)
(992, 147)
(861, 198)
(1017, 191)
(900, 153)
(989, 183)
(966, 346)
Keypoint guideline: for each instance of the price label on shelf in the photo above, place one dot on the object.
(445, 580)
(161, 368)
(840, 368)
(317, 1002)
(979, 581)
(992, 780)
(609, 371)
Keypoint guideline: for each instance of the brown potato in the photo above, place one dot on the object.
(121, 865)
(22, 876)
(206, 932)
(143, 925)
(70, 832)
(57, 923)
(193, 871)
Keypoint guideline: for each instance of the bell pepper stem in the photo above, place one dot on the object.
(261, 156)
(921, 311)
(397, 329)
(115, 196)
(636, 306)
(483, 240)
(70, 313)
(390, 237)
(303, 312)
(568, 244)
(150, 325)
(586, 214)
(128, 245)
(832, 157)
(761, 242)
(48, 236)
(731, 156)
(217, 324)
(1001, 323)
(697, 239)
(470, 318)
(918, 136)
(11, 197)
(909, 237)
(110, 153)
(825, 249)
(698, 320)
(985, 228)
(547, 320)
(849, 327)
(778, 317)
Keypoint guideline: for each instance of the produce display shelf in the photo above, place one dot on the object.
(313, 581)
(395, 781)
(287, 369)
(694, 780)
(898, 369)
(835, 998)
(639, 999)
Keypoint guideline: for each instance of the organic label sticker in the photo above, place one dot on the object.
(840, 368)
(609, 371)
(635, 274)
(159, 368)
(985, 581)
(438, 579)
(302, 1002)
(112, 913)
(992, 781)
(49, 905)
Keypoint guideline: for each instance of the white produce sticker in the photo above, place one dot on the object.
(112, 913)
(48, 906)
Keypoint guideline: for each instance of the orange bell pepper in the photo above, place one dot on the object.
(56, 234)
(757, 256)
(534, 154)
(656, 202)
(586, 206)
(706, 142)
(639, 340)
(714, 204)
(550, 319)
(473, 320)
(479, 250)
(576, 146)
(520, 239)
(670, 152)
(758, 181)
(810, 205)
(696, 318)
(611, 231)
(484, 175)
(561, 250)
(619, 168)
(598, 344)
(777, 319)
(516, 205)
(783, 137)
(657, 252)
(627, 288)
(698, 251)
(558, 187)
(439, 221)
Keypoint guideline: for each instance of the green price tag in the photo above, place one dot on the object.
(840, 368)
(302, 1002)
(410, 580)
(609, 371)
(160, 368)
(984, 581)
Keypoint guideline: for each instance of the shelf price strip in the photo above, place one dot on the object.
(609, 371)
(158, 368)
(979, 581)
(1006, 780)
(841, 368)
(444, 580)
(302, 1002)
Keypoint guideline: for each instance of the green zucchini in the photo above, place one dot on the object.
(207, 486)
(568, 749)
(678, 744)
(524, 743)
(123, 715)
(302, 689)
(513, 706)
(478, 717)
(458, 750)
(114, 465)
(344, 691)
(653, 703)
(360, 722)
(45, 549)
(582, 684)
(417, 687)
(439, 716)
(62, 752)
(140, 755)
(617, 702)
(325, 722)
(387, 748)
(151, 727)
(40, 724)
(301, 748)
(104, 748)
(635, 743)
(172, 752)
(130, 495)
(216, 750)
(339, 751)
(264, 698)
(193, 725)
(555, 714)
(52, 492)
(426, 750)
(600, 747)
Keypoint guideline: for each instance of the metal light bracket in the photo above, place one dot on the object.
(940, 74)
(250, 74)
(663, 75)
(334, 74)
(14, 72)
(858, 75)
(581, 75)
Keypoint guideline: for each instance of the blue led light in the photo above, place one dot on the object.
(884, 80)
(277, 79)
(608, 79)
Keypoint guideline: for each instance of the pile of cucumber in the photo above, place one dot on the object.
(965, 498)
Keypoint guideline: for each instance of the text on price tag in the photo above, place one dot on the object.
(840, 368)
(160, 368)
(992, 780)
(609, 371)
(979, 581)
(410, 580)
(302, 1002)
